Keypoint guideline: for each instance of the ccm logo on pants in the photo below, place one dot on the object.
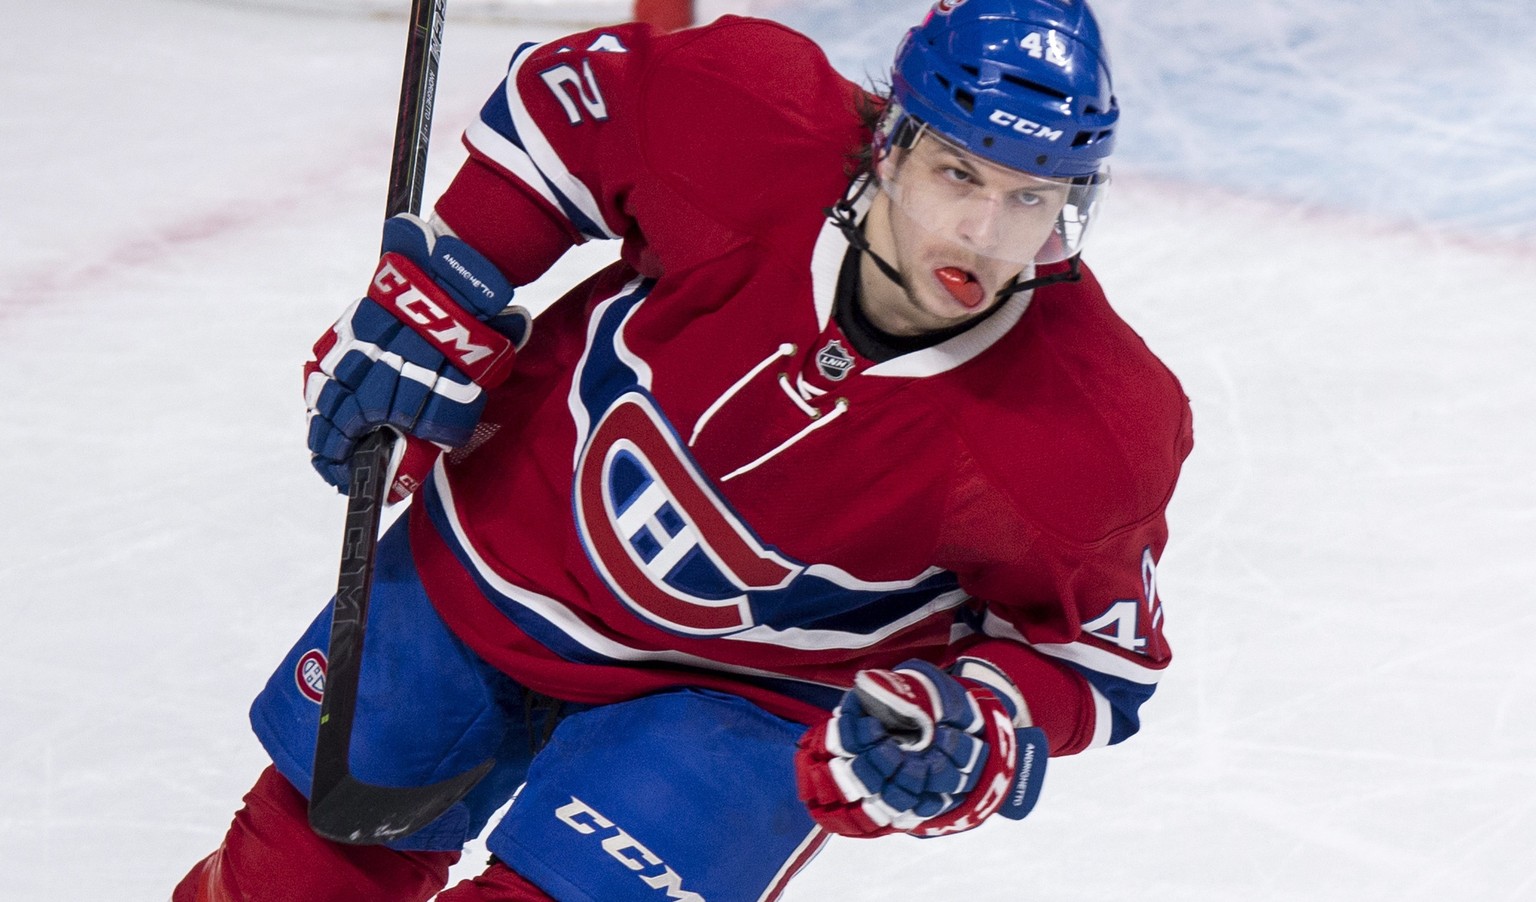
(627, 850)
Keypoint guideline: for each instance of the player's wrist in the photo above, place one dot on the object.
(981, 675)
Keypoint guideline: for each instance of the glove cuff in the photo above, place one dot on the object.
(979, 673)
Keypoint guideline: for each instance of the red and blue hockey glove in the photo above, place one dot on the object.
(435, 332)
(917, 750)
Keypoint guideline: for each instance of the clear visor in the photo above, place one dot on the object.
(988, 209)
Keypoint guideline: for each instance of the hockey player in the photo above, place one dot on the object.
(833, 507)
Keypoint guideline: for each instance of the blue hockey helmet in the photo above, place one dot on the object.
(1024, 83)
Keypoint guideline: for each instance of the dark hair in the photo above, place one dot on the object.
(870, 107)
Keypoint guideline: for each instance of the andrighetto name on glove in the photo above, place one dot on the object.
(469, 277)
(1028, 761)
(1026, 767)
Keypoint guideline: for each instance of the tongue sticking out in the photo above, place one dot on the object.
(961, 285)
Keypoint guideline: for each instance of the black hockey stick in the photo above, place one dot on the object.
(341, 807)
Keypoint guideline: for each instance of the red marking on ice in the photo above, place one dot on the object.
(30, 290)
(24, 292)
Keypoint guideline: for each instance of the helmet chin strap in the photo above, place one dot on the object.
(1073, 273)
(845, 217)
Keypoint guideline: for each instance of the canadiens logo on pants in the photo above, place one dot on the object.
(309, 675)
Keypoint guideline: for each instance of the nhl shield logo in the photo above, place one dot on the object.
(834, 362)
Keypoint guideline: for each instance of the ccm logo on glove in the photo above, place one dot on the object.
(410, 294)
(436, 331)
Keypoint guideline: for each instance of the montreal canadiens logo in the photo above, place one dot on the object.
(669, 548)
(309, 675)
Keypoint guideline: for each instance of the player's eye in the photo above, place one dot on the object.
(957, 175)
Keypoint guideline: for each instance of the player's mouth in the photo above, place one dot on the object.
(962, 285)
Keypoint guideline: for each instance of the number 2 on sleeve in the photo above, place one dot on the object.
(571, 88)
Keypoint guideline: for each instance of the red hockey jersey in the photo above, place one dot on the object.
(694, 479)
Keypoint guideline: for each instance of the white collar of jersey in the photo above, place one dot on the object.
(827, 263)
(827, 258)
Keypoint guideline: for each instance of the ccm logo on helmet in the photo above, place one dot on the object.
(625, 849)
(1024, 126)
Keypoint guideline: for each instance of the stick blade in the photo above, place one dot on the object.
(358, 813)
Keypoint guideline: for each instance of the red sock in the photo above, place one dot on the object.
(271, 855)
(498, 884)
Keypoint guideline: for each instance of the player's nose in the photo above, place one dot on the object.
(978, 224)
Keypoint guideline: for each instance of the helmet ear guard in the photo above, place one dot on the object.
(900, 130)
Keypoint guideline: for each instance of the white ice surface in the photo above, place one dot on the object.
(189, 194)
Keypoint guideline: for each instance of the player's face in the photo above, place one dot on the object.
(959, 229)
